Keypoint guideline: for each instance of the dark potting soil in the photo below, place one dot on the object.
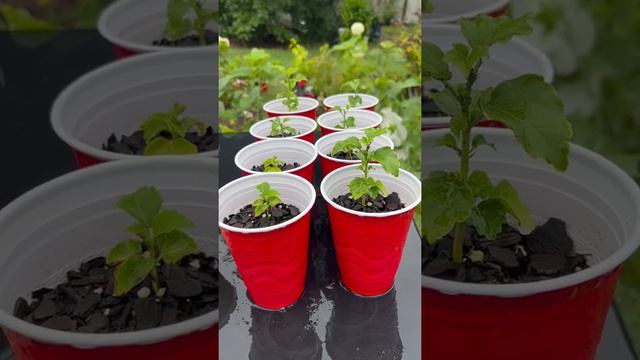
(285, 135)
(344, 156)
(211, 37)
(380, 204)
(547, 252)
(135, 143)
(245, 217)
(283, 167)
(84, 302)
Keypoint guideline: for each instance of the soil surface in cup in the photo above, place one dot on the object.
(245, 218)
(211, 37)
(134, 144)
(283, 167)
(284, 135)
(85, 303)
(547, 252)
(380, 204)
(342, 155)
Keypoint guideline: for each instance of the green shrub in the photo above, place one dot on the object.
(357, 11)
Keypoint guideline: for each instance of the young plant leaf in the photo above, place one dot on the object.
(123, 251)
(132, 272)
(272, 164)
(360, 187)
(139, 229)
(449, 141)
(479, 140)
(433, 64)
(268, 198)
(448, 102)
(162, 146)
(483, 31)
(279, 128)
(488, 218)
(514, 205)
(347, 146)
(168, 221)
(143, 204)
(175, 246)
(388, 159)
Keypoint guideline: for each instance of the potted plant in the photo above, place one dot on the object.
(370, 210)
(354, 98)
(332, 158)
(293, 156)
(510, 243)
(95, 296)
(346, 118)
(443, 11)
(288, 102)
(265, 219)
(294, 127)
(117, 98)
(140, 26)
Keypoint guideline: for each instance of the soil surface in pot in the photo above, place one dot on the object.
(380, 204)
(344, 156)
(134, 144)
(85, 302)
(211, 37)
(285, 135)
(547, 252)
(283, 167)
(246, 219)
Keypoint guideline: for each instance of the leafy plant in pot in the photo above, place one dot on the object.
(330, 159)
(354, 98)
(477, 264)
(346, 118)
(179, 28)
(291, 127)
(370, 209)
(288, 102)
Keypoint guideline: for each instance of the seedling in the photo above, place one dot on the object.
(527, 105)
(354, 87)
(179, 25)
(366, 187)
(268, 198)
(347, 121)
(291, 80)
(279, 128)
(159, 239)
(158, 125)
(272, 164)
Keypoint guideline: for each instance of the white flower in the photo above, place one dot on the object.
(357, 28)
(223, 41)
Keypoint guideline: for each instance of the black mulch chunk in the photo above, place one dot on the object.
(283, 167)
(135, 144)
(85, 302)
(344, 156)
(548, 252)
(378, 205)
(245, 217)
(211, 37)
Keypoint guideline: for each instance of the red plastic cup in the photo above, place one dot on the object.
(364, 119)
(287, 150)
(369, 245)
(305, 127)
(369, 102)
(325, 144)
(272, 261)
(307, 107)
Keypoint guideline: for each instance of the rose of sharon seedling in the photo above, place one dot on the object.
(160, 238)
(527, 105)
(347, 121)
(366, 187)
(179, 25)
(279, 128)
(268, 198)
(291, 80)
(272, 164)
(159, 124)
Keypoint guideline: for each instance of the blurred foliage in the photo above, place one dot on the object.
(20, 15)
(356, 11)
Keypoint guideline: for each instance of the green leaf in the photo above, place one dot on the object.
(373, 133)
(347, 145)
(448, 102)
(170, 220)
(464, 58)
(535, 113)
(479, 140)
(155, 125)
(132, 272)
(360, 187)
(139, 229)
(268, 197)
(163, 146)
(143, 204)
(433, 64)
(19, 19)
(175, 245)
(177, 25)
(449, 141)
(484, 31)
(123, 251)
(514, 205)
(480, 184)
(488, 218)
(388, 159)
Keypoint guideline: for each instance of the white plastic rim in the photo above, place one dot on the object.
(302, 124)
(449, 11)
(287, 150)
(135, 24)
(118, 97)
(364, 119)
(436, 122)
(293, 190)
(52, 228)
(325, 144)
(407, 185)
(278, 107)
(599, 202)
(343, 100)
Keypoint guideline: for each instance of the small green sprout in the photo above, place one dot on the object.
(366, 187)
(279, 128)
(347, 122)
(178, 24)
(291, 80)
(159, 124)
(354, 87)
(159, 238)
(272, 164)
(268, 198)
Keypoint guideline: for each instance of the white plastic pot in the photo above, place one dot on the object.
(118, 97)
(325, 144)
(54, 227)
(364, 119)
(132, 25)
(287, 150)
(304, 126)
(601, 206)
(306, 107)
(449, 11)
(369, 102)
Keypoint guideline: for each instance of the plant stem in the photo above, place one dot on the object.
(458, 243)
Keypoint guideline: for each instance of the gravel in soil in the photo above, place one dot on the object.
(211, 37)
(344, 156)
(246, 219)
(134, 144)
(547, 252)
(85, 303)
(283, 167)
(380, 204)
